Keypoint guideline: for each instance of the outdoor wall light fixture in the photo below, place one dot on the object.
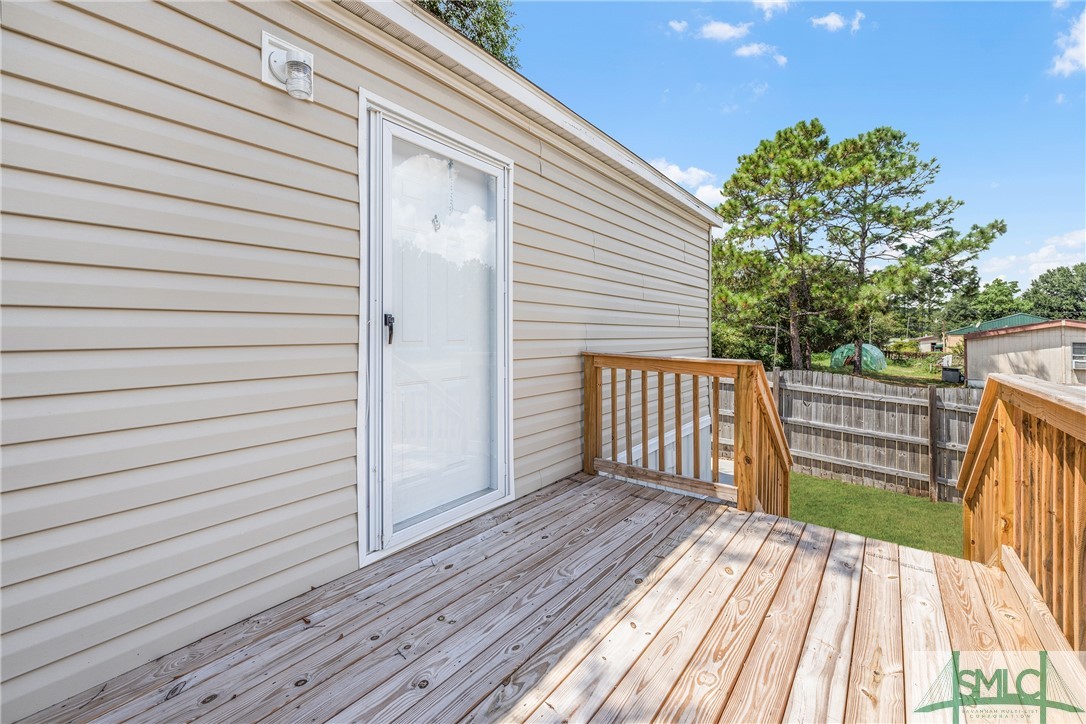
(287, 67)
(293, 69)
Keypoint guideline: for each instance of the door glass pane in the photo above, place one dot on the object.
(440, 278)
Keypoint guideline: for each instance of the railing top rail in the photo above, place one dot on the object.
(776, 425)
(679, 365)
(1062, 406)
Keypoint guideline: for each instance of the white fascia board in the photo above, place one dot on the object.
(417, 22)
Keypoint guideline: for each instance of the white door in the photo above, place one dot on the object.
(441, 334)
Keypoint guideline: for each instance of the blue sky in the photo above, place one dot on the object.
(995, 90)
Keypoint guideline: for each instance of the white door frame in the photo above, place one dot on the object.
(372, 546)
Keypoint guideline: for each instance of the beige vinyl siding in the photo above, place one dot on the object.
(180, 330)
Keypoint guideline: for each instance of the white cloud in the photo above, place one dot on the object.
(716, 30)
(1060, 99)
(832, 22)
(1063, 250)
(753, 50)
(835, 21)
(701, 183)
(856, 19)
(691, 176)
(1072, 45)
(759, 89)
(771, 7)
(1060, 4)
(679, 26)
(709, 194)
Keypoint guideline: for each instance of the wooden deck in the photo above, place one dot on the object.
(593, 600)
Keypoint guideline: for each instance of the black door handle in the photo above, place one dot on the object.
(390, 322)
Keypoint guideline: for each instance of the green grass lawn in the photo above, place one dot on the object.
(881, 514)
(918, 373)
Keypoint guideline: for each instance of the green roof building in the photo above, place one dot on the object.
(1011, 320)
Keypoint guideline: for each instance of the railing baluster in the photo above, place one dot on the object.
(714, 407)
(629, 426)
(661, 459)
(678, 424)
(644, 418)
(614, 414)
(697, 430)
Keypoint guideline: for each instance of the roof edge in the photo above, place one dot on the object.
(975, 327)
(476, 61)
(1079, 324)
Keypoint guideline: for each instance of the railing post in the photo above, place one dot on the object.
(746, 496)
(968, 532)
(1006, 481)
(786, 486)
(593, 391)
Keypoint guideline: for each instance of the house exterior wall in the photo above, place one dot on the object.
(1043, 353)
(181, 294)
(952, 340)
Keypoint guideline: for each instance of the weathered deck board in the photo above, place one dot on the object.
(771, 663)
(231, 680)
(594, 600)
(821, 680)
(150, 684)
(470, 684)
(638, 694)
(924, 630)
(876, 684)
(550, 590)
(585, 687)
(969, 621)
(409, 624)
(702, 689)
(525, 687)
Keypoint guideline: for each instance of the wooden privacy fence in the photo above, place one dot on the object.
(655, 400)
(1024, 493)
(905, 438)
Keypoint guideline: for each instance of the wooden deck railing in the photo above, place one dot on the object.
(1024, 494)
(652, 402)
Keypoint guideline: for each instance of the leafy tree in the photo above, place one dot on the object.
(1059, 293)
(997, 299)
(958, 310)
(743, 302)
(774, 208)
(750, 312)
(881, 227)
(487, 23)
